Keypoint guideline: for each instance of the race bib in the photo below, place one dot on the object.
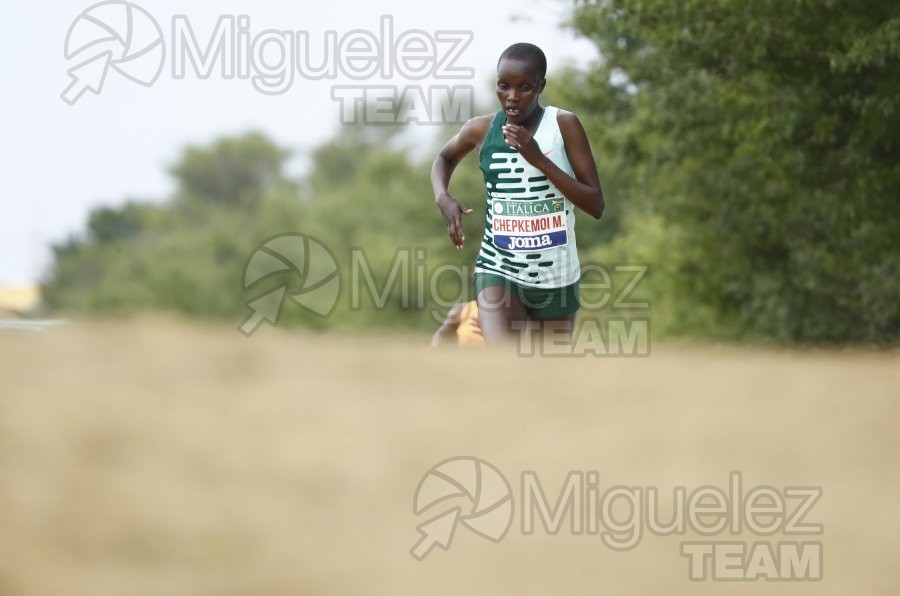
(529, 225)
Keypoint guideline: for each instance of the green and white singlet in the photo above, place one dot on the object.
(529, 230)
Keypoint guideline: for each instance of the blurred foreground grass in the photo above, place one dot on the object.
(153, 457)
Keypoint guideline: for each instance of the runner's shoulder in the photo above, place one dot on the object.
(566, 116)
(476, 128)
(569, 124)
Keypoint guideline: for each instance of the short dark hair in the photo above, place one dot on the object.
(529, 52)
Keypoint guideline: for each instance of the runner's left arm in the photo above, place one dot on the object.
(584, 189)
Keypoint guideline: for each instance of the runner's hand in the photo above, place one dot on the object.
(452, 209)
(520, 139)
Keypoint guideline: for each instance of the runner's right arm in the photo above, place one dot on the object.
(470, 137)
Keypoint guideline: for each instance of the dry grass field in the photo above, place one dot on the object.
(160, 458)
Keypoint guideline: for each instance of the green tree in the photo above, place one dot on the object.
(184, 255)
(761, 136)
(231, 172)
(187, 255)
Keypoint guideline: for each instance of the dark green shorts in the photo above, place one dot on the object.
(540, 303)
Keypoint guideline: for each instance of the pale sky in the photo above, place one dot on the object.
(60, 160)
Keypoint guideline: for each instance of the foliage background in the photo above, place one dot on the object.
(747, 151)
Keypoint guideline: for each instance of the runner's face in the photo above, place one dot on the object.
(519, 85)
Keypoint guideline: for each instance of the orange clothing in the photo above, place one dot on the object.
(468, 333)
